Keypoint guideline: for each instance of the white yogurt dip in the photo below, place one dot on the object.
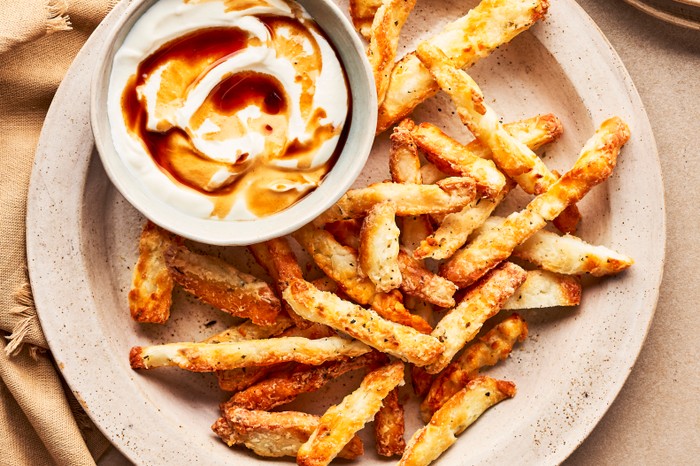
(228, 109)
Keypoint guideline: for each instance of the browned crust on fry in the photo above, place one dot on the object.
(136, 359)
(421, 380)
(283, 387)
(453, 418)
(362, 14)
(404, 163)
(365, 325)
(424, 284)
(479, 304)
(346, 232)
(220, 284)
(389, 426)
(445, 196)
(339, 423)
(494, 346)
(384, 40)
(274, 434)
(338, 262)
(455, 159)
(390, 306)
(150, 296)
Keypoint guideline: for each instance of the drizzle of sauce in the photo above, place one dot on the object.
(181, 64)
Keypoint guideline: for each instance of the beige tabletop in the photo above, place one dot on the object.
(656, 417)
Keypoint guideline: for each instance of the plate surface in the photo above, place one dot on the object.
(685, 13)
(82, 240)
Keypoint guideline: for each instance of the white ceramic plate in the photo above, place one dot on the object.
(82, 238)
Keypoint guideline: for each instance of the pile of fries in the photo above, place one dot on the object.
(414, 268)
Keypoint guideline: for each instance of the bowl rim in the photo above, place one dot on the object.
(361, 135)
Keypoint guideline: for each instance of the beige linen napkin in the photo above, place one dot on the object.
(40, 421)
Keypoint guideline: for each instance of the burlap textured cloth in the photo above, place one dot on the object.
(40, 421)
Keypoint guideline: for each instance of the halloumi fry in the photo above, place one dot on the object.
(452, 157)
(341, 264)
(490, 24)
(207, 357)
(280, 262)
(391, 307)
(389, 426)
(151, 291)
(446, 196)
(235, 380)
(379, 247)
(340, 422)
(365, 325)
(594, 165)
(338, 262)
(546, 289)
(482, 301)
(421, 380)
(346, 232)
(513, 157)
(453, 418)
(404, 162)
(283, 387)
(384, 40)
(455, 228)
(571, 255)
(220, 284)
(494, 346)
(274, 434)
(250, 331)
(422, 283)
(362, 13)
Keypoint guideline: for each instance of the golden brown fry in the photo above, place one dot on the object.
(452, 157)
(339, 262)
(446, 196)
(339, 423)
(151, 291)
(546, 289)
(363, 324)
(379, 247)
(422, 283)
(482, 301)
(346, 232)
(384, 40)
(455, 228)
(458, 413)
(513, 157)
(235, 380)
(404, 163)
(274, 434)
(421, 380)
(594, 165)
(207, 357)
(432, 174)
(220, 284)
(494, 346)
(362, 13)
(389, 426)
(284, 386)
(390, 306)
(570, 255)
(490, 24)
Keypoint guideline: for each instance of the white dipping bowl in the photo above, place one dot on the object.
(348, 166)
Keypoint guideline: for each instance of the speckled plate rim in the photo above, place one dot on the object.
(55, 199)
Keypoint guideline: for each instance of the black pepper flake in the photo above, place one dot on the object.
(488, 393)
(210, 323)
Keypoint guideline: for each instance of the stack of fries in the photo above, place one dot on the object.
(415, 268)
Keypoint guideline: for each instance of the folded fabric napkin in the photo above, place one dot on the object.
(40, 420)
